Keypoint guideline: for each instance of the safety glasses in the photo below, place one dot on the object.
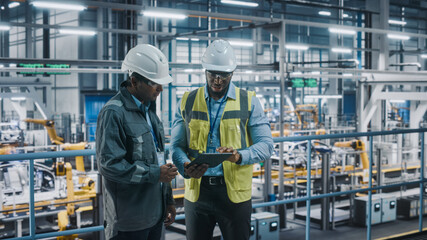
(222, 75)
(149, 82)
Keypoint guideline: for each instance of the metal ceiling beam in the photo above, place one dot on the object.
(254, 19)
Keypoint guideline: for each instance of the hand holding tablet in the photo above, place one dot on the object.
(211, 159)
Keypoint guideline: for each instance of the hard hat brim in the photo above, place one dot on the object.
(162, 81)
(217, 68)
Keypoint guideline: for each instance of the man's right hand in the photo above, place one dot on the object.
(168, 172)
(195, 171)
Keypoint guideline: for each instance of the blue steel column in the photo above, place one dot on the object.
(308, 203)
(421, 183)
(371, 144)
(32, 214)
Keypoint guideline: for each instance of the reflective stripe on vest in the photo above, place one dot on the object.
(233, 133)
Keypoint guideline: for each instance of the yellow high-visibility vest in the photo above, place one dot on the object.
(233, 133)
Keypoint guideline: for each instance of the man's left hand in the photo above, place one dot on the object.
(234, 158)
(170, 215)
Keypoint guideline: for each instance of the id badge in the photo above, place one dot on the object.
(210, 150)
(161, 158)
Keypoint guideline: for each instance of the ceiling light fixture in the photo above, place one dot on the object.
(4, 28)
(324, 13)
(13, 4)
(398, 37)
(342, 31)
(341, 50)
(397, 22)
(77, 32)
(154, 13)
(323, 96)
(347, 74)
(17, 98)
(186, 39)
(397, 101)
(55, 5)
(423, 56)
(240, 3)
(241, 43)
(296, 47)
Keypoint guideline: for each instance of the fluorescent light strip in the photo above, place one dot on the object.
(341, 50)
(397, 22)
(4, 28)
(423, 56)
(158, 14)
(324, 13)
(296, 73)
(347, 74)
(17, 98)
(55, 5)
(323, 96)
(240, 3)
(296, 47)
(345, 15)
(398, 37)
(397, 101)
(77, 32)
(241, 43)
(186, 39)
(13, 4)
(342, 31)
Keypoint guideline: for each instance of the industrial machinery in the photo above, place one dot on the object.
(60, 191)
(359, 146)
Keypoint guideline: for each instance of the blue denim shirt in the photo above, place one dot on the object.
(258, 126)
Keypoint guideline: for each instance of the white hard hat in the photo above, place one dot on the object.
(148, 61)
(219, 56)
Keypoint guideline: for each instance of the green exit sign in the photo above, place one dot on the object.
(311, 82)
(41, 65)
(297, 82)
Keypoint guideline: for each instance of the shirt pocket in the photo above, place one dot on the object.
(142, 145)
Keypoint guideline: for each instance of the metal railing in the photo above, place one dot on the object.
(308, 198)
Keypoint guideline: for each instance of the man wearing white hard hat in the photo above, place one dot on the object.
(130, 145)
(217, 118)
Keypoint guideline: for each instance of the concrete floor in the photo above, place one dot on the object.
(296, 231)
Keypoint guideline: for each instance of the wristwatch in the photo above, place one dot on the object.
(240, 158)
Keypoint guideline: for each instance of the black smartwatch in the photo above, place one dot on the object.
(240, 158)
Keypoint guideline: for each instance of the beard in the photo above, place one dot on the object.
(217, 95)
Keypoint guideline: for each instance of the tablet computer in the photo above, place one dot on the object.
(212, 159)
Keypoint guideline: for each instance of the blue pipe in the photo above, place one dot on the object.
(70, 232)
(347, 135)
(32, 213)
(41, 155)
(371, 146)
(422, 178)
(308, 202)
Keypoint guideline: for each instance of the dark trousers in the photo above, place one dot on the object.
(153, 233)
(214, 206)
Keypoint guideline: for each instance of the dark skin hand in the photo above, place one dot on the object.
(234, 158)
(195, 171)
(170, 216)
(168, 172)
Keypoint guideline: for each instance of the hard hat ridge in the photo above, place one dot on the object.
(219, 56)
(148, 61)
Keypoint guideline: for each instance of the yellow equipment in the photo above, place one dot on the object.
(50, 127)
(305, 108)
(358, 145)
